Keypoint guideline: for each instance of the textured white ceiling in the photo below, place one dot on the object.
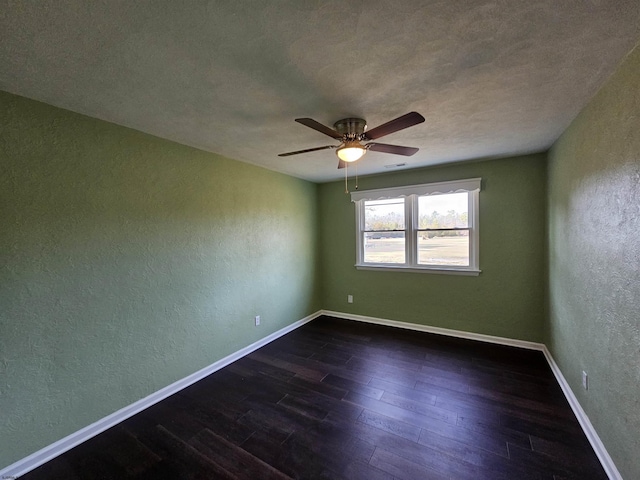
(492, 78)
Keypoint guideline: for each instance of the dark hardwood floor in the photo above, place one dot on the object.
(345, 400)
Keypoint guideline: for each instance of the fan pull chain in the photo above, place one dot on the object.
(356, 175)
(346, 169)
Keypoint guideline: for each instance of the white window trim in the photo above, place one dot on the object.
(412, 192)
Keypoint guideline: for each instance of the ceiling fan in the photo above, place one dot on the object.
(353, 131)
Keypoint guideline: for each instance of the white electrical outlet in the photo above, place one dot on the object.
(349, 298)
(585, 380)
(257, 320)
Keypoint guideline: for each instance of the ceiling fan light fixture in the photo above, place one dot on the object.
(351, 152)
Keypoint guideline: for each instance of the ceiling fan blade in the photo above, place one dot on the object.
(306, 151)
(341, 164)
(311, 123)
(400, 123)
(394, 149)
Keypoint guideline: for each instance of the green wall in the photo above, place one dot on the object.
(594, 261)
(128, 262)
(506, 299)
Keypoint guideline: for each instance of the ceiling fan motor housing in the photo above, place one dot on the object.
(351, 128)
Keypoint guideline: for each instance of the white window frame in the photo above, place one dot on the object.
(411, 194)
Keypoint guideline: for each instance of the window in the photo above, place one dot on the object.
(425, 228)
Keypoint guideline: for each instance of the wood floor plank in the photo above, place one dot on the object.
(558, 466)
(299, 370)
(424, 409)
(335, 449)
(401, 390)
(415, 452)
(234, 459)
(296, 462)
(194, 464)
(502, 432)
(303, 407)
(409, 416)
(390, 425)
(353, 386)
(344, 410)
(126, 451)
(578, 458)
(319, 387)
(365, 471)
(402, 468)
(208, 414)
(492, 441)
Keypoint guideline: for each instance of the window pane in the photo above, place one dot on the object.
(444, 248)
(384, 247)
(384, 214)
(444, 211)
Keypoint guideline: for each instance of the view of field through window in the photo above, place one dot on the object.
(442, 230)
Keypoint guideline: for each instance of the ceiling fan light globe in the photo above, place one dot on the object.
(350, 154)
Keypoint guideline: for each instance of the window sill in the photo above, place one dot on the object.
(440, 271)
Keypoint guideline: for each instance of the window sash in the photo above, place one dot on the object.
(446, 265)
(364, 242)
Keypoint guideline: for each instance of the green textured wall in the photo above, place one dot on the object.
(128, 262)
(506, 299)
(594, 261)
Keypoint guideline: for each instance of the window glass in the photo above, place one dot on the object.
(384, 214)
(444, 211)
(384, 247)
(384, 236)
(438, 248)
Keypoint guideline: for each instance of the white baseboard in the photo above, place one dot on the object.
(590, 432)
(49, 452)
